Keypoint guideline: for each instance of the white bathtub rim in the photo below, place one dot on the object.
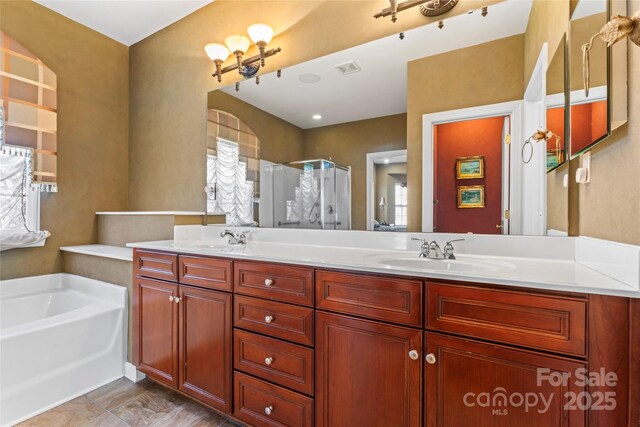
(24, 286)
(65, 400)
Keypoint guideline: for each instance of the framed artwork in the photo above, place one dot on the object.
(471, 196)
(470, 167)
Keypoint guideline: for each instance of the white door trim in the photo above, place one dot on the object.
(371, 197)
(511, 108)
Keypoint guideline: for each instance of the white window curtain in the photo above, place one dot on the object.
(228, 190)
(15, 166)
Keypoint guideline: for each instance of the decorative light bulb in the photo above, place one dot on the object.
(218, 54)
(217, 51)
(260, 33)
(237, 43)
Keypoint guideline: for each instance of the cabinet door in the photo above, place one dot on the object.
(205, 346)
(367, 373)
(156, 342)
(472, 383)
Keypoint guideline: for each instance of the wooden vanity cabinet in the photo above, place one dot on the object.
(367, 373)
(489, 385)
(183, 337)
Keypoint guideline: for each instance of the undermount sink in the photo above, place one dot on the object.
(457, 265)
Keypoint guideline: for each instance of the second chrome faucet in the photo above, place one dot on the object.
(432, 250)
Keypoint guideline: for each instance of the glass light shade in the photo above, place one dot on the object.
(237, 43)
(217, 51)
(383, 202)
(260, 33)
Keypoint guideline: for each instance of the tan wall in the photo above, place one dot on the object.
(581, 31)
(93, 117)
(548, 21)
(171, 75)
(609, 204)
(467, 82)
(557, 200)
(348, 145)
(280, 141)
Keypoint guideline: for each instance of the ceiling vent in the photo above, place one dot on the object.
(348, 68)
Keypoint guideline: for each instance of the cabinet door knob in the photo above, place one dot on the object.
(177, 300)
(268, 282)
(430, 358)
(268, 361)
(268, 410)
(171, 298)
(268, 319)
(413, 355)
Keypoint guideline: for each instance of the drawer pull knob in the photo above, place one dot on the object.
(268, 282)
(413, 355)
(171, 298)
(268, 410)
(268, 361)
(430, 358)
(268, 319)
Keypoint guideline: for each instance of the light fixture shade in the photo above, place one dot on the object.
(260, 33)
(383, 202)
(237, 43)
(217, 51)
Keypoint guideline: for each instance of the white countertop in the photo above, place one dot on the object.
(536, 273)
(105, 251)
(172, 213)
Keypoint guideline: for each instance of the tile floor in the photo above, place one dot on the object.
(124, 403)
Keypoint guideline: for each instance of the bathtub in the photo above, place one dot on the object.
(60, 336)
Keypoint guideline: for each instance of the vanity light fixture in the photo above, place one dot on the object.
(260, 34)
(427, 7)
(612, 32)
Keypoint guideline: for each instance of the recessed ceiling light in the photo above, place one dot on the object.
(316, 117)
(386, 161)
(309, 78)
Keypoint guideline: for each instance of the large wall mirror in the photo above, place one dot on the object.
(599, 83)
(338, 142)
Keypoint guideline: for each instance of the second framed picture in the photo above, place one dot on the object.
(471, 196)
(470, 167)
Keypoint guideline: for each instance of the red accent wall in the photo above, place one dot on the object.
(588, 123)
(555, 123)
(481, 137)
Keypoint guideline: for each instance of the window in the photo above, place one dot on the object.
(401, 204)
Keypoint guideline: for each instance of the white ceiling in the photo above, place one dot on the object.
(126, 21)
(380, 89)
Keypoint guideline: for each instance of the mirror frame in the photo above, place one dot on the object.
(564, 42)
(609, 67)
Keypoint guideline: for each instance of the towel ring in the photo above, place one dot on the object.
(524, 146)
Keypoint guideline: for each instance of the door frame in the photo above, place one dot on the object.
(513, 109)
(371, 192)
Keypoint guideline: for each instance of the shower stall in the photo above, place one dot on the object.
(313, 194)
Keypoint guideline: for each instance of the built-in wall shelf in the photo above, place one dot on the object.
(105, 251)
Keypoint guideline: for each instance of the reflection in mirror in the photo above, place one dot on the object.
(557, 165)
(589, 114)
(337, 140)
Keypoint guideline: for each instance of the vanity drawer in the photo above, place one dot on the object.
(157, 265)
(276, 319)
(206, 272)
(278, 282)
(546, 322)
(283, 363)
(380, 298)
(262, 404)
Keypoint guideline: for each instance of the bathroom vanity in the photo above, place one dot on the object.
(273, 343)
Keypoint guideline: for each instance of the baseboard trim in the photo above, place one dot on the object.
(132, 374)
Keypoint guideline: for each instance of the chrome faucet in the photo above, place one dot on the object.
(448, 249)
(429, 250)
(235, 238)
